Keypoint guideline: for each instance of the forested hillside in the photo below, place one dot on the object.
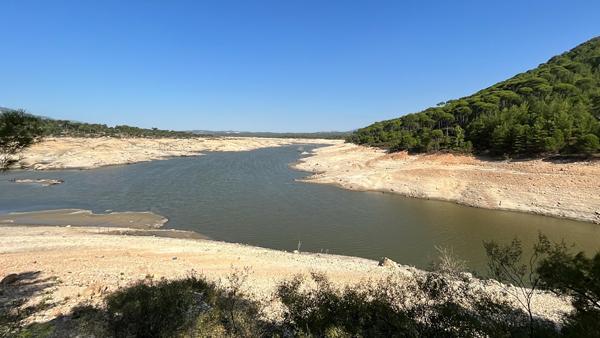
(552, 109)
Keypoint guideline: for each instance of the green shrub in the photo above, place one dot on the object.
(191, 307)
(324, 310)
(158, 309)
(588, 144)
(429, 304)
(578, 277)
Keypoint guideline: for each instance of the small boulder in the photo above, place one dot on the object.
(386, 262)
(95, 289)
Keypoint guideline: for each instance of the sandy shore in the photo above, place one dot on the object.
(66, 266)
(84, 263)
(79, 217)
(87, 153)
(570, 190)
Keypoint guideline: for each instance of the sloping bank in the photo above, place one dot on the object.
(561, 189)
(67, 266)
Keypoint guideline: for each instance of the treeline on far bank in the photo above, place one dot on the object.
(552, 109)
(331, 135)
(56, 128)
(52, 127)
(47, 127)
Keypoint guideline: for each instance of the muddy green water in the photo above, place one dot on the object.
(252, 197)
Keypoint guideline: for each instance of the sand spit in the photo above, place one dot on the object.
(568, 190)
(71, 265)
(43, 182)
(80, 217)
(87, 153)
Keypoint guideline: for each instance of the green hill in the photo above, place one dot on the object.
(552, 109)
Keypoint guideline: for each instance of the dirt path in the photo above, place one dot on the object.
(569, 190)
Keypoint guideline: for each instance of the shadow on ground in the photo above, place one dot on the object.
(21, 295)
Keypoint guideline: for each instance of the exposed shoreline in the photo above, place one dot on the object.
(566, 190)
(84, 264)
(89, 262)
(144, 220)
(89, 153)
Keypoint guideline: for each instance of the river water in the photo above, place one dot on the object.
(253, 198)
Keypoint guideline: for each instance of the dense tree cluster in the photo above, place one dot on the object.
(18, 130)
(552, 109)
(52, 127)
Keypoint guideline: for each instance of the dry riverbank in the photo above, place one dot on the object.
(87, 153)
(79, 264)
(568, 190)
(66, 266)
(78, 217)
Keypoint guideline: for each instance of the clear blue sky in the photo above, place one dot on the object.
(270, 65)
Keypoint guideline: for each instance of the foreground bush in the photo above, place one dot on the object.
(552, 267)
(422, 305)
(185, 307)
(158, 309)
(577, 276)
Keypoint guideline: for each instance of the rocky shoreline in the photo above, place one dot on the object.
(559, 189)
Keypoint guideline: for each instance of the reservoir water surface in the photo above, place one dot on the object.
(253, 198)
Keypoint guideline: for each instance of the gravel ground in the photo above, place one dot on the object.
(561, 189)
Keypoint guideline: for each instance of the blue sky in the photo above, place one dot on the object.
(270, 65)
